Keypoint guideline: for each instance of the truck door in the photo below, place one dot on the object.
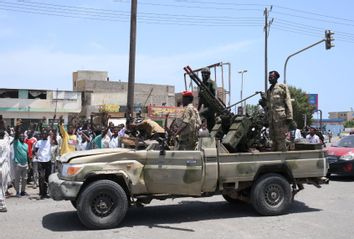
(176, 172)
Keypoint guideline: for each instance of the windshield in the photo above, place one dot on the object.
(347, 141)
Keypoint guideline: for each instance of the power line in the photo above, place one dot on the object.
(311, 34)
(48, 9)
(312, 13)
(198, 7)
(313, 19)
(60, 10)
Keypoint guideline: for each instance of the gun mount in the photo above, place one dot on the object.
(236, 132)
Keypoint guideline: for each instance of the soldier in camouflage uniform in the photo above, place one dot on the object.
(279, 111)
(206, 112)
(188, 130)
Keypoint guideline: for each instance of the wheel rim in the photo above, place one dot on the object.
(273, 194)
(103, 204)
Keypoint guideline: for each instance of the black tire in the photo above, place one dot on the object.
(271, 195)
(103, 204)
(74, 203)
(231, 199)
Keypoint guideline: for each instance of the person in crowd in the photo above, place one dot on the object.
(121, 134)
(106, 138)
(54, 150)
(295, 133)
(330, 135)
(43, 153)
(312, 137)
(320, 135)
(100, 141)
(83, 140)
(4, 165)
(69, 139)
(114, 139)
(21, 161)
(187, 132)
(31, 141)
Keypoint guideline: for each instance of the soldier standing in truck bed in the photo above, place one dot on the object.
(207, 112)
(279, 111)
(191, 122)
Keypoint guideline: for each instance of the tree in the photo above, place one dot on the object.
(251, 109)
(349, 124)
(301, 107)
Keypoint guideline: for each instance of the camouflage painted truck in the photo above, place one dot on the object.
(103, 183)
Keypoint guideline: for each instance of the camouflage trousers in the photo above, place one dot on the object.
(278, 131)
(187, 143)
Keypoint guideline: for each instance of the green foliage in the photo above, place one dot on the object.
(349, 124)
(251, 109)
(301, 107)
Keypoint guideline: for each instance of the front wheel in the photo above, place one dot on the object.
(271, 195)
(102, 204)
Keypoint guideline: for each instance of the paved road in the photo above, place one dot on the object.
(316, 213)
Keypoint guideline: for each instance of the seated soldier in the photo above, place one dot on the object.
(150, 129)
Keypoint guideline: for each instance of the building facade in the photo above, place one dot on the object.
(345, 115)
(101, 94)
(34, 106)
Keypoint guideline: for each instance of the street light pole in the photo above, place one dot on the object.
(287, 59)
(328, 39)
(241, 97)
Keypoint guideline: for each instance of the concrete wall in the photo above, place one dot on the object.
(89, 75)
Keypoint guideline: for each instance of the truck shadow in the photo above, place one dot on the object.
(165, 216)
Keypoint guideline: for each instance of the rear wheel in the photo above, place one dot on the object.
(102, 204)
(271, 195)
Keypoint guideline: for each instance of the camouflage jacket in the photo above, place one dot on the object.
(279, 103)
(192, 119)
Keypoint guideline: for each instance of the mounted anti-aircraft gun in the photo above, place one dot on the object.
(233, 130)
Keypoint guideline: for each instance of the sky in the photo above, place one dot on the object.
(43, 42)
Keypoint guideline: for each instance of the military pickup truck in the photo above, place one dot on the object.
(103, 183)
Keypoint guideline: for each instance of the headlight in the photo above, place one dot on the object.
(70, 169)
(347, 157)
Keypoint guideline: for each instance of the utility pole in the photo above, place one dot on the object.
(266, 34)
(132, 54)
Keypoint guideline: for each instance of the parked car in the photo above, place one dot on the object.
(341, 157)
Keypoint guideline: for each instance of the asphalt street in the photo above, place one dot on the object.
(316, 213)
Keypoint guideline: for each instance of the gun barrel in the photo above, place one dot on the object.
(217, 105)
